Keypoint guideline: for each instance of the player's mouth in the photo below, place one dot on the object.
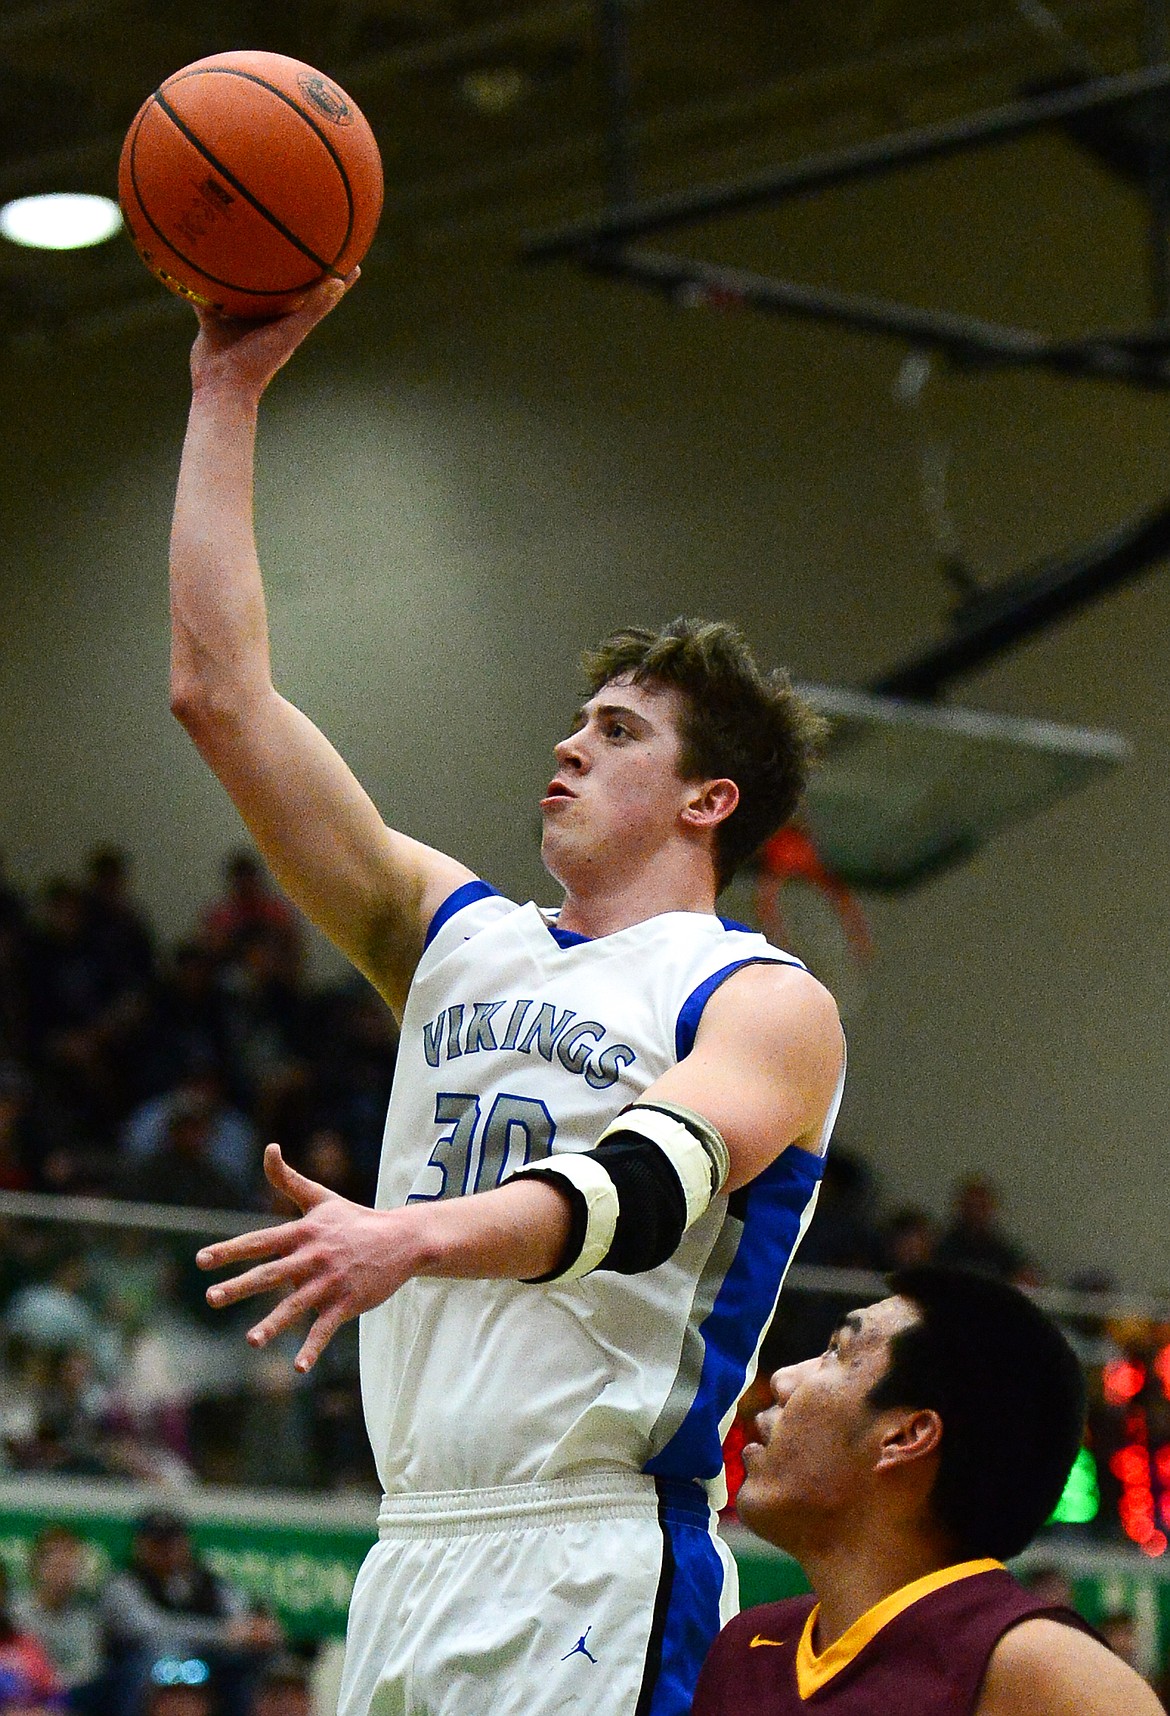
(558, 793)
(760, 1431)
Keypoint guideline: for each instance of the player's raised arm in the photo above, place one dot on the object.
(371, 890)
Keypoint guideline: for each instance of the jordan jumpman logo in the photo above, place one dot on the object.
(581, 1647)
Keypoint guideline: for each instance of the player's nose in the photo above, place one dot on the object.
(572, 753)
(783, 1383)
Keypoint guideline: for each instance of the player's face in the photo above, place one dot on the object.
(805, 1473)
(617, 792)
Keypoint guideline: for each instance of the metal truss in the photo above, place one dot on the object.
(987, 621)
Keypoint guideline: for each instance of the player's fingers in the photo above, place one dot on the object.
(266, 1278)
(275, 1241)
(305, 1193)
(309, 308)
(282, 1316)
(319, 1337)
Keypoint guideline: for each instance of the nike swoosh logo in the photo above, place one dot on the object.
(759, 1641)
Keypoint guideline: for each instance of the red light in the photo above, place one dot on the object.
(1162, 1465)
(1121, 1380)
(1131, 1465)
(1162, 1369)
(1155, 1544)
(1136, 1512)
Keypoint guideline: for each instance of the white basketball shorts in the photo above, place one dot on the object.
(599, 1595)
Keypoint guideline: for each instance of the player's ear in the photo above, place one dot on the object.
(907, 1437)
(711, 803)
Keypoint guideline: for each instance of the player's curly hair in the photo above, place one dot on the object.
(740, 722)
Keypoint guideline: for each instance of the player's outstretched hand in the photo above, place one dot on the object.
(335, 1261)
(248, 354)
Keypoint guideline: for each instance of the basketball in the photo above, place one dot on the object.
(246, 178)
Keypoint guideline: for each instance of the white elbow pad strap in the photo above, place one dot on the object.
(693, 1147)
(651, 1175)
(595, 1209)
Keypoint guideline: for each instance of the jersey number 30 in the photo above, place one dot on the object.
(471, 1157)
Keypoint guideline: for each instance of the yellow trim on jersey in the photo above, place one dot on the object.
(813, 1671)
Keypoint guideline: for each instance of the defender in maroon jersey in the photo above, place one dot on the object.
(928, 1443)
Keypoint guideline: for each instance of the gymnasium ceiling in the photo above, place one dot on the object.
(491, 114)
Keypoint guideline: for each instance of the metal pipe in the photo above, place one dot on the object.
(1156, 49)
(988, 624)
(614, 38)
(965, 340)
(940, 329)
(840, 166)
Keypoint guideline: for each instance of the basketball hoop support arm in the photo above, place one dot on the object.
(841, 166)
(987, 624)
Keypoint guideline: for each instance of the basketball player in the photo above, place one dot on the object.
(928, 1442)
(638, 1095)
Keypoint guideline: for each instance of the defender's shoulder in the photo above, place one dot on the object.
(1046, 1667)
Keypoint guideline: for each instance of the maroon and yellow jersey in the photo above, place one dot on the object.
(922, 1651)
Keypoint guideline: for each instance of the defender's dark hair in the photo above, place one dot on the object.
(740, 723)
(1011, 1396)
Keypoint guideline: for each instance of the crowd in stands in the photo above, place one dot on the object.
(132, 1071)
(160, 1635)
(129, 1070)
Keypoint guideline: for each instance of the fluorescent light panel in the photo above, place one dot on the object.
(60, 220)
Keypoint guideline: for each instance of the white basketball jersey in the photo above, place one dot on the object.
(519, 1041)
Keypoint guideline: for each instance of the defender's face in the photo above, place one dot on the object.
(816, 1446)
(617, 791)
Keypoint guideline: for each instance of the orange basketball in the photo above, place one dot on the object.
(246, 178)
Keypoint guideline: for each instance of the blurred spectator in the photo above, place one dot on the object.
(70, 1435)
(352, 1051)
(168, 1604)
(284, 1689)
(118, 931)
(179, 1686)
(185, 1026)
(182, 1169)
(60, 1609)
(70, 985)
(1119, 1629)
(53, 1315)
(248, 904)
(975, 1239)
(1049, 1584)
(13, 912)
(13, 969)
(327, 1160)
(230, 1142)
(17, 1147)
(82, 1015)
(843, 1232)
(28, 1680)
(267, 1007)
(909, 1237)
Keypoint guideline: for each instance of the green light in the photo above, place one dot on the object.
(1081, 1500)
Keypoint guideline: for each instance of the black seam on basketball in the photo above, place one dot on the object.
(231, 285)
(213, 161)
(251, 77)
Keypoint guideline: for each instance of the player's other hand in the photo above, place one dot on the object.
(245, 354)
(336, 1260)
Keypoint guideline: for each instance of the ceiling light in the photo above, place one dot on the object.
(495, 89)
(60, 220)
